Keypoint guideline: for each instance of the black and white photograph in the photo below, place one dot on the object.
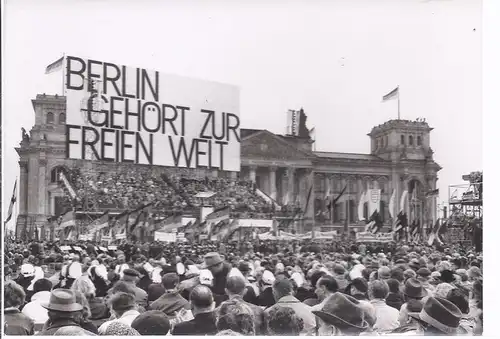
(258, 168)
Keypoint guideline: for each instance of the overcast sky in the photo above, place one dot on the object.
(336, 59)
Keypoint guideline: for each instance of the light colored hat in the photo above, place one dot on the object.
(268, 277)
(280, 267)
(235, 272)
(28, 270)
(206, 277)
(181, 269)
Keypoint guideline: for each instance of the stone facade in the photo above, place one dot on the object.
(284, 167)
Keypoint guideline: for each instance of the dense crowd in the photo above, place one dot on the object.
(261, 288)
(169, 190)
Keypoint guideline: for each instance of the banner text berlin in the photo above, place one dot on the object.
(125, 114)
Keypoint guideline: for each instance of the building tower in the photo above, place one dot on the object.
(406, 144)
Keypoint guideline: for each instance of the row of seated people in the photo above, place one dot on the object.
(170, 189)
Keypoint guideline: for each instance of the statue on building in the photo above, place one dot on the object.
(303, 130)
(25, 136)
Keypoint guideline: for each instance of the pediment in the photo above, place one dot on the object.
(267, 145)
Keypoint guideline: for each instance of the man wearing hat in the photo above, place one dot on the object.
(413, 291)
(220, 271)
(131, 277)
(439, 317)
(341, 315)
(423, 275)
(63, 311)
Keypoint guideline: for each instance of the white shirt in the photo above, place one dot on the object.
(101, 271)
(127, 318)
(387, 316)
(120, 268)
(75, 270)
(34, 309)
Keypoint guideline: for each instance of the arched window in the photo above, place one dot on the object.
(50, 118)
(402, 139)
(410, 140)
(353, 214)
(55, 173)
(419, 140)
(62, 118)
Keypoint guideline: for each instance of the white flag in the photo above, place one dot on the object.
(361, 206)
(373, 197)
(391, 204)
(402, 202)
(391, 95)
(55, 66)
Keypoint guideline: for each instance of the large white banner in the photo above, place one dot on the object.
(373, 197)
(126, 114)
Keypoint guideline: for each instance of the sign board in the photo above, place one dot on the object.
(203, 236)
(65, 248)
(255, 223)
(134, 115)
(166, 237)
(370, 237)
(112, 247)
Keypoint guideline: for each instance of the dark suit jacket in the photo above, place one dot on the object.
(266, 298)
(16, 323)
(202, 324)
(169, 303)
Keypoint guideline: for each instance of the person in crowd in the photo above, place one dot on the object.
(84, 315)
(283, 321)
(131, 277)
(71, 272)
(152, 323)
(251, 289)
(15, 322)
(423, 275)
(476, 300)
(412, 290)
(412, 325)
(123, 310)
(325, 287)
(119, 329)
(220, 270)
(339, 273)
(63, 310)
(358, 288)
(121, 265)
(387, 316)
(438, 317)
(26, 280)
(235, 289)
(460, 298)
(203, 306)
(56, 277)
(235, 315)
(266, 297)
(341, 315)
(283, 293)
(98, 274)
(395, 297)
(171, 301)
(34, 309)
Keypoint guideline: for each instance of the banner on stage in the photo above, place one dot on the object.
(132, 115)
(165, 237)
(370, 237)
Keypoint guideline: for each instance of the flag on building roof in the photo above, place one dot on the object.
(394, 94)
(55, 66)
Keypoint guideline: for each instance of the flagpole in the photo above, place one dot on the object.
(63, 73)
(399, 114)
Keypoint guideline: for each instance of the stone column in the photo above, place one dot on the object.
(291, 184)
(42, 189)
(272, 182)
(23, 187)
(253, 170)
